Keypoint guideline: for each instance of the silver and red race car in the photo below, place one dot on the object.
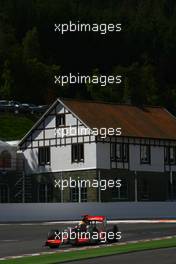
(91, 230)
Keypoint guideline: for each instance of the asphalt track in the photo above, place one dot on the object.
(159, 256)
(19, 239)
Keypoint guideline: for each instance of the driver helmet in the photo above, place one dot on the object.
(82, 222)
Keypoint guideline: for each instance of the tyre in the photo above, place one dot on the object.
(54, 246)
(115, 230)
(94, 239)
(53, 235)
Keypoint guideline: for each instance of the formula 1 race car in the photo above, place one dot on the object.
(91, 230)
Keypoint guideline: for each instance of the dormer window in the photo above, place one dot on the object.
(60, 120)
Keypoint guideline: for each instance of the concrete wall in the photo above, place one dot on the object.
(73, 211)
(157, 159)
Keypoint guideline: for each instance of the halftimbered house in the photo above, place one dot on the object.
(143, 156)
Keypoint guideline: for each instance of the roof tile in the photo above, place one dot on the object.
(147, 122)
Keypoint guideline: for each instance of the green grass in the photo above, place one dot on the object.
(15, 126)
(93, 252)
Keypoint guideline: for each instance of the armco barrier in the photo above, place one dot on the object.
(73, 211)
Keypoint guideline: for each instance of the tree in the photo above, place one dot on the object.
(31, 46)
(7, 82)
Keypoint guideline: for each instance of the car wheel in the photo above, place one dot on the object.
(54, 246)
(115, 230)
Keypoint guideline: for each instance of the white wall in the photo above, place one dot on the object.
(31, 162)
(61, 158)
(157, 159)
(96, 156)
(103, 155)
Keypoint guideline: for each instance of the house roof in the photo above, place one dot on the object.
(146, 122)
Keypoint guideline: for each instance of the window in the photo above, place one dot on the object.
(119, 152)
(5, 159)
(84, 194)
(125, 152)
(60, 120)
(45, 193)
(77, 152)
(113, 151)
(170, 155)
(4, 193)
(144, 190)
(145, 154)
(122, 192)
(166, 155)
(172, 188)
(74, 195)
(44, 155)
(78, 194)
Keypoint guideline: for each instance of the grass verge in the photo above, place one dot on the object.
(93, 252)
(13, 127)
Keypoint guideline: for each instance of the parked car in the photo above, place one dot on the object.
(3, 104)
(38, 109)
(6, 106)
(28, 108)
(15, 105)
(43, 108)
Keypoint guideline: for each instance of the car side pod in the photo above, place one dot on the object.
(53, 243)
(54, 239)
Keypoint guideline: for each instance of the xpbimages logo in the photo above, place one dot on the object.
(102, 80)
(103, 132)
(102, 236)
(103, 184)
(102, 28)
